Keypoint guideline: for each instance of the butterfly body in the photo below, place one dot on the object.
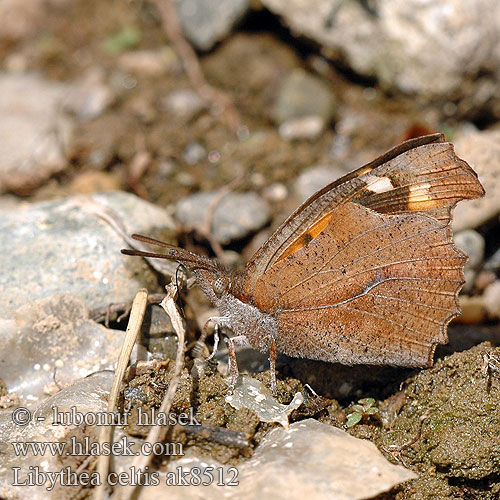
(365, 271)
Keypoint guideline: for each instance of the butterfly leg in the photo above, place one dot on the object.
(272, 366)
(200, 346)
(233, 365)
(216, 343)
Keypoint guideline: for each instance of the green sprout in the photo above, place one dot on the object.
(364, 408)
(125, 39)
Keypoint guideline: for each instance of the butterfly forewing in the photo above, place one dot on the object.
(420, 176)
(371, 288)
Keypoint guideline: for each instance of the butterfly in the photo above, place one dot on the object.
(363, 272)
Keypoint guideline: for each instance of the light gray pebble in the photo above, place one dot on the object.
(194, 153)
(315, 178)
(303, 95)
(235, 216)
(184, 103)
(472, 243)
(206, 22)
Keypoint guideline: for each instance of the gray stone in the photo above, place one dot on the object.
(64, 247)
(194, 153)
(252, 394)
(308, 127)
(472, 243)
(152, 62)
(89, 97)
(310, 460)
(315, 178)
(89, 397)
(491, 298)
(407, 43)
(303, 95)
(56, 341)
(482, 151)
(206, 22)
(35, 132)
(183, 103)
(235, 216)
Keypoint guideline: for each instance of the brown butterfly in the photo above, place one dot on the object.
(364, 272)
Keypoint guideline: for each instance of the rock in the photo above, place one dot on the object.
(194, 153)
(275, 192)
(473, 309)
(252, 394)
(206, 22)
(24, 19)
(235, 216)
(56, 341)
(315, 178)
(35, 132)
(183, 103)
(491, 298)
(154, 62)
(89, 397)
(472, 243)
(310, 460)
(482, 151)
(308, 127)
(94, 181)
(301, 96)
(90, 97)
(64, 247)
(406, 43)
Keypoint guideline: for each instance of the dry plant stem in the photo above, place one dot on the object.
(104, 313)
(131, 335)
(206, 229)
(172, 28)
(156, 432)
(114, 220)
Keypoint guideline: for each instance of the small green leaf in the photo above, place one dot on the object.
(353, 419)
(367, 402)
(126, 39)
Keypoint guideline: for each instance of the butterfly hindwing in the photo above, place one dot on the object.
(371, 288)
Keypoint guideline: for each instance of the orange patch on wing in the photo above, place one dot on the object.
(417, 205)
(420, 198)
(366, 170)
(305, 238)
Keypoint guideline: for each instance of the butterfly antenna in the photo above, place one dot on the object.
(183, 256)
(152, 241)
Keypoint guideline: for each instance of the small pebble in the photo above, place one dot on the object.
(491, 297)
(315, 178)
(473, 309)
(184, 103)
(236, 215)
(275, 192)
(307, 127)
(194, 153)
(472, 243)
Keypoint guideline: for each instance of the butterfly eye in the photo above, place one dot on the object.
(220, 285)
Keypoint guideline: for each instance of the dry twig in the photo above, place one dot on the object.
(157, 432)
(131, 335)
(219, 99)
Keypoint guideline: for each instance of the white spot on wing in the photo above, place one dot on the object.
(378, 184)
